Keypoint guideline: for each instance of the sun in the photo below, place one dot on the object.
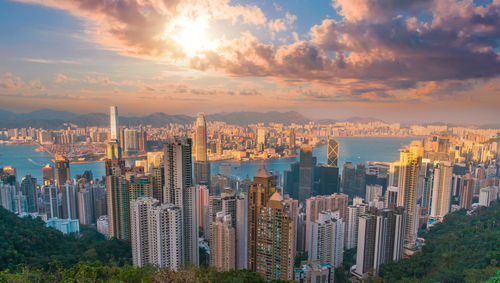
(192, 37)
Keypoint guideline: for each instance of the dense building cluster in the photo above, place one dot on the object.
(170, 206)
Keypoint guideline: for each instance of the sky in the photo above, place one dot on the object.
(397, 60)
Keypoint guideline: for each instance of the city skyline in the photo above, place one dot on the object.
(422, 61)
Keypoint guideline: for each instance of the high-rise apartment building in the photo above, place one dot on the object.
(274, 242)
(156, 233)
(179, 191)
(409, 165)
(466, 192)
(317, 204)
(262, 188)
(223, 243)
(441, 189)
(327, 239)
(380, 239)
(85, 206)
(352, 224)
(69, 201)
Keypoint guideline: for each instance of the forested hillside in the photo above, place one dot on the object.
(463, 248)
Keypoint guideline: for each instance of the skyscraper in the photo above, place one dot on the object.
(48, 174)
(179, 191)
(410, 162)
(201, 138)
(380, 239)
(328, 179)
(62, 170)
(466, 192)
(352, 224)
(113, 122)
(317, 204)
(291, 145)
(156, 233)
(274, 249)
(327, 240)
(28, 189)
(441, 189)
(305, 173)
(69, 201)
(85, 206)
(131, 139)
(223, 243)
(333, 152)
(259, 192)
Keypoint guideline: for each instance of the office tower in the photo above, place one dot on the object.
(202, 172)
(9, 175)
(328, 179)
(274, 245)
(488, 195)
(62, 170)
(28, 189)
(201, 138)
(327, 240)
(349, 180)
(113, 122)
(141, 140)
(380, 239)
(352, 224)
(443, 143)
(391, 197)
(317, 204)
(131, 141)
(305, 173)
(113, 150)
(241, 230)
(202, 207)
(373, 193)
(179, 191)
(466, 192)
(333, 153)
(261, 137)
(262, 188)
(410, 161)
(225, 169)
(292, 180)
(48, 174)
(51, 208)
(85, 206)
(155, 159)
(223, 243)
(122, 138)
(441, 189)
(156, 233)
(360, 180)
(291, 145)
(69, 202)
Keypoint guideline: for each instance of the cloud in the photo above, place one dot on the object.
(61, 78)
(282, 24)
(48, 61)
(10, 83)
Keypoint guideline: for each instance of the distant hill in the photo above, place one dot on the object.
(53, 119)
(246, 118)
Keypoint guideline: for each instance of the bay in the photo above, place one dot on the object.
(26, 160)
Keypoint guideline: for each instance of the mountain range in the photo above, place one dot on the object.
(55, 119)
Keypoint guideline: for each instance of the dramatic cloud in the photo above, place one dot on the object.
(379, 50)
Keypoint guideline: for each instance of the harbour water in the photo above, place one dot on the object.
(26, 160)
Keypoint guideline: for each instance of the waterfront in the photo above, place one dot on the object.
(26, 160)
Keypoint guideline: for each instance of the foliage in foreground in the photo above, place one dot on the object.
(26, 242)
(96, 272)
(463, 248)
